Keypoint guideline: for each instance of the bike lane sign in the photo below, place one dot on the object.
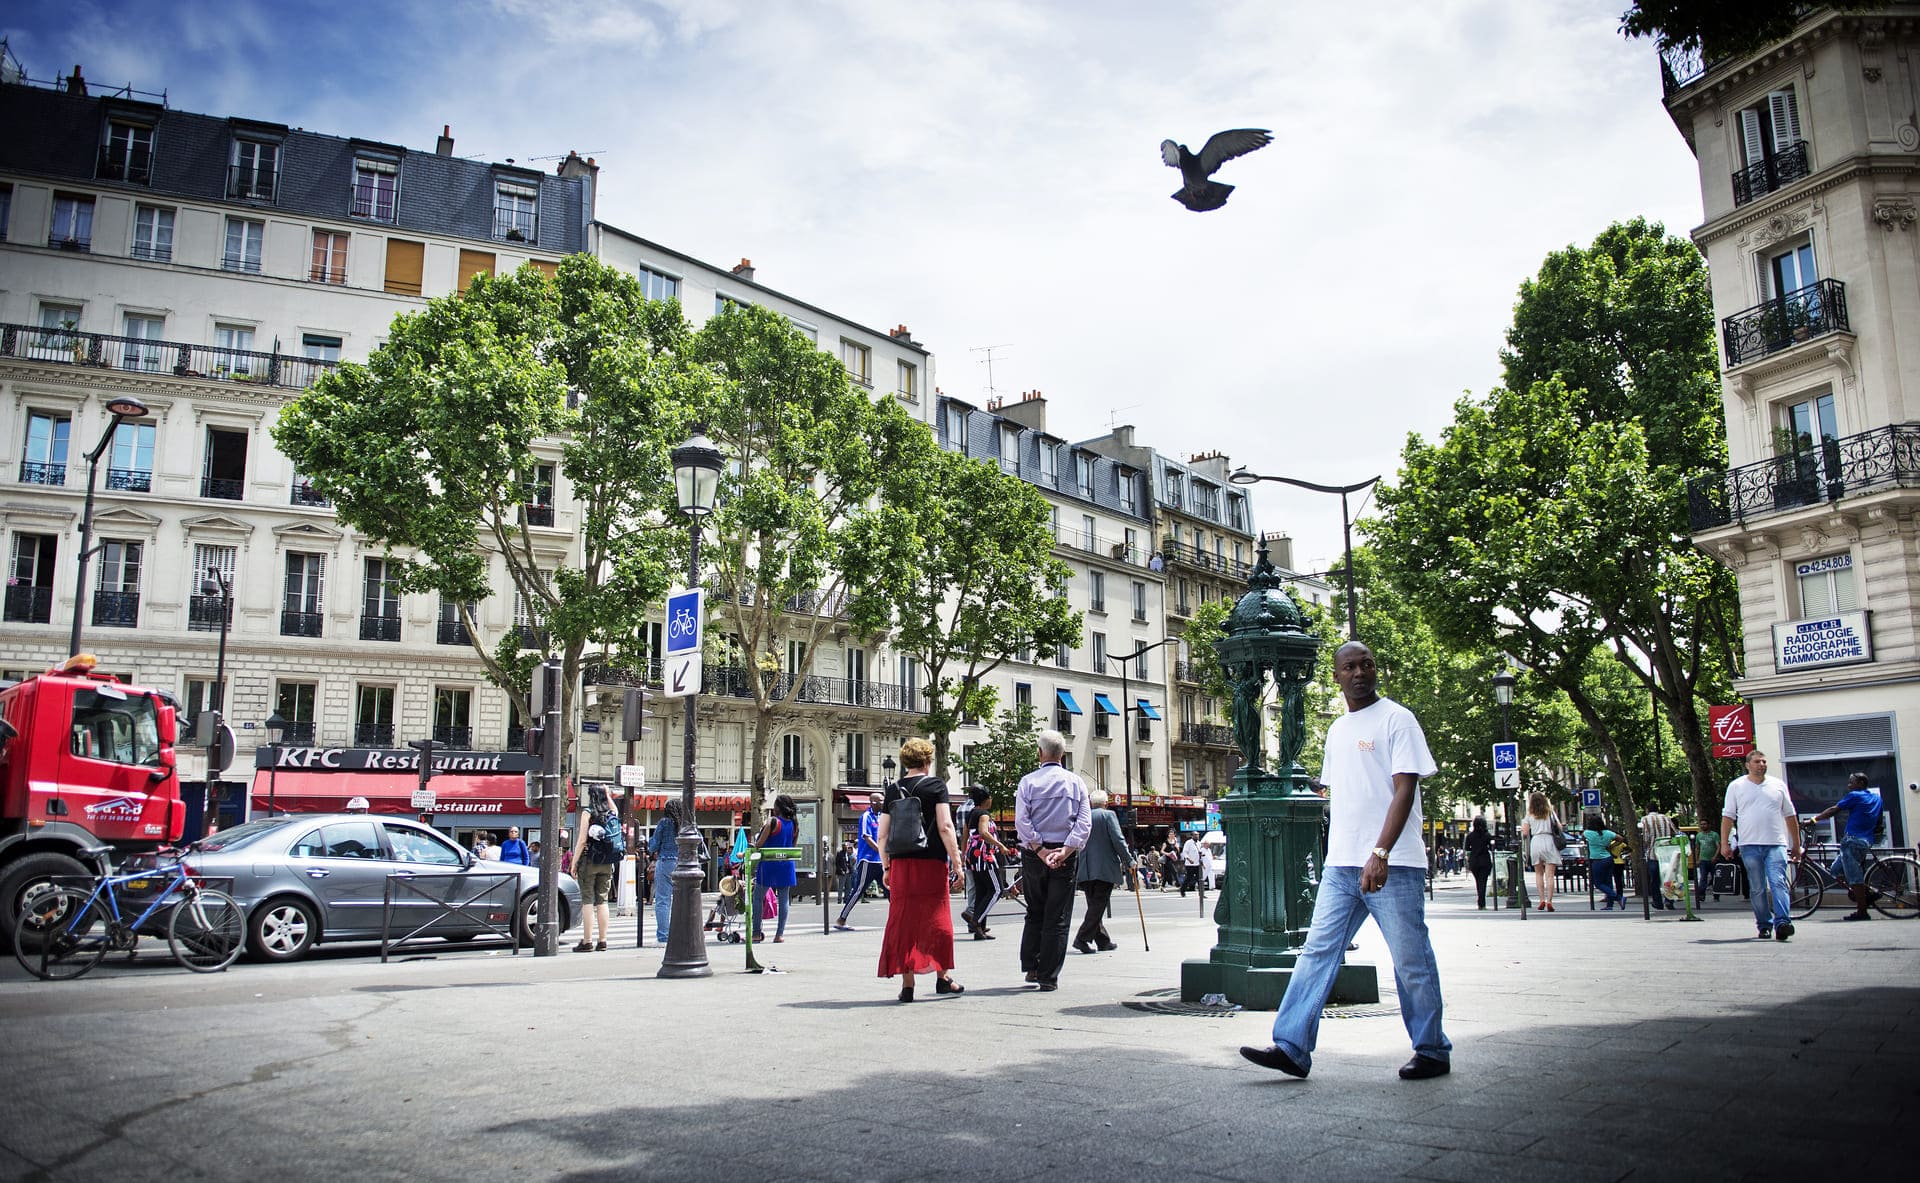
(686, 624)
(1506, 766)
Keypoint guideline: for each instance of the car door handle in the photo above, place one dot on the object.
(400, 874)
(318, 872)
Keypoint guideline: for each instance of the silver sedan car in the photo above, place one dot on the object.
(306, 878)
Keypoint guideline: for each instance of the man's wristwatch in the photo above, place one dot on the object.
(1380, 852)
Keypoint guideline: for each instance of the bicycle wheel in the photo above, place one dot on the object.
(1807, 887)
(205, 931)
(1895, 883)
(61, 934)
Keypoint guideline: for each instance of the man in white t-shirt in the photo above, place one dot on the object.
(1190, 865)
(1376, 866)
(1760, 810)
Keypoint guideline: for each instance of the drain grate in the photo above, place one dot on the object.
(1167, 1002)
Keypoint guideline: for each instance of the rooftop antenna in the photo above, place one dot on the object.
(1113, 416)
(992, 392)
(564, 155)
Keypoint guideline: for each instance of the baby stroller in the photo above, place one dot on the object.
(724, 920)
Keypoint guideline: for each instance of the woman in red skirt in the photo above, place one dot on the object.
(919, 869)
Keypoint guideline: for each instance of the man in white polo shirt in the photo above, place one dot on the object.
(1376, 866)
(1759, 809)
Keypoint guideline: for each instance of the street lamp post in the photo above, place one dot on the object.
(1503, 683)
(1127, 709)
(696, 483)
(1241, 476)
(214, 584)
(276, 727)
(123, 409)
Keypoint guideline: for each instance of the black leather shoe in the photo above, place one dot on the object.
(1106, 946)
(1083, 947)
(1046, 986)
(1424, 1068)
(1782, 931)
(1274, 1058)
(1032, 976)
(947, 986)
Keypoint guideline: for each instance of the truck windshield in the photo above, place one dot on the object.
(123, 728)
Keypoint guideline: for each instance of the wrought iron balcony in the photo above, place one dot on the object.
(1185, 552)
(1776, 172)
(600, 673)
(856, 778)
(298, 731)
(373, 735)
(178, 358)
(1212, 734)
(513, 223)
(305, 494)
(249, 183)
(793, 773)
(451, 632)
(39, 472)
(1800, 315)
(453, 736)
(1886, 457)
(134, 166)
(530, 636)
(325, 274)
(130, 480)
(537, 515)
(221, 488)
(203, 613)
(153, 252)
(116, 609)
(1183, 671)
(29, 605)
(301, 624)
(380, 628)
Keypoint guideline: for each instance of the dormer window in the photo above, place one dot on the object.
(376, 183)
(128, 153)
(956, 426)
(514, 211)
(1083, 475)
(254, 174)
(1049, 463)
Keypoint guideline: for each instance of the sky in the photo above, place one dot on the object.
(988, 173)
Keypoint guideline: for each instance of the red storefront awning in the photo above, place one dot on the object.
(389, 792)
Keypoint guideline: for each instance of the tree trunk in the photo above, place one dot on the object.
(1616, 768)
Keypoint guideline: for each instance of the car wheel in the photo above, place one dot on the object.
(527, 919)
(284, 929)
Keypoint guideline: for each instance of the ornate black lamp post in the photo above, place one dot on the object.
(696, 483)
(1503, 684)
(123, 409)
(1129, 708)
(276, 727)
(1242, 476)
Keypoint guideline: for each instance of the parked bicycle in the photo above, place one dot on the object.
(64, 931)
(1893, 883)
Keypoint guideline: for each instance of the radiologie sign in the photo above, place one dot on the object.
(1837, 639)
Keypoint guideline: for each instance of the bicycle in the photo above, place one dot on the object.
(63, 932)
(1893, 883)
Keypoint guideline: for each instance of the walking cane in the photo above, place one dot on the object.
(1134, 874)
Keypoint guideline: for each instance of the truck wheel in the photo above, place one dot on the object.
(283, 929)
(33, 875)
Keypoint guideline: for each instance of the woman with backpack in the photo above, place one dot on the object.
(776, 877)
(920, 864)
(598, 847)
(1542, 835)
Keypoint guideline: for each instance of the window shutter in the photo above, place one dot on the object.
(1784, 113)
(318, 582)
(404, 266)
(1750, 142)
(546, 267)
(473, 263)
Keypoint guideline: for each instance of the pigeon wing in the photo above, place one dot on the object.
(1225, 145)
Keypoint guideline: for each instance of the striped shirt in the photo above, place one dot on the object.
(1050, 806)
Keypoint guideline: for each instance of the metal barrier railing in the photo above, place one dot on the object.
(475, 906)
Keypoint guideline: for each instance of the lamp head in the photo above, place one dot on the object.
(1503, 683)
(1243, 476)
(276, 727)
(123, 407)
(696, 475)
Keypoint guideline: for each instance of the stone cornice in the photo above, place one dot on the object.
(155, 390)
(1853, 168)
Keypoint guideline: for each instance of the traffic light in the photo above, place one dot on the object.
(633, 715)
(534, 740)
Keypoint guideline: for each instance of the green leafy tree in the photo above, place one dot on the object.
(1721, 27)
(966, 562)
(431, 449)
(813, 464)
(1010, 751)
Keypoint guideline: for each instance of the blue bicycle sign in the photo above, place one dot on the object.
(685, 612)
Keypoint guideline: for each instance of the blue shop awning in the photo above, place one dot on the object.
(1147, 709)
(1066, 700)
(1105, 705)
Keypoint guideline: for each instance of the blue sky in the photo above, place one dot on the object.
(988, 173)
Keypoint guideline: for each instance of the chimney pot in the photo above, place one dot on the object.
(444, 147)
(744, 269)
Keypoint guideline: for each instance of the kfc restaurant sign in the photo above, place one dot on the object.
(323, 780)
(1732, 728)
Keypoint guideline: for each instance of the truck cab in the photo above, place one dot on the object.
(87, 775)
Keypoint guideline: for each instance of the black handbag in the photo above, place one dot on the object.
(1726, 879)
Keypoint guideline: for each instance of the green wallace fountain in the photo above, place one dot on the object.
(1272, 815)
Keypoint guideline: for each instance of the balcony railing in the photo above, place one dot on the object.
(130, 480)
(737, 682)
(116, 609)
(1183, 671)
(301, 624)
(600, 673)
(119, 164)
(39, 472)
(305, 494)
(452, 736)
(1886, 457)
(29, 605)
(451, 632)
(856, 778)
(373, 735)
(249, 183)
(1775, 172)
(153, 252)
(513, 223)
(1212, 734)
(325, 274)
(221, 488)
(298, 731)
(1800, 315)
(144, 354)
(203, 613)
(793, 773)
(380, 628)
(537, 515)
(1193, 556)
(530, 636)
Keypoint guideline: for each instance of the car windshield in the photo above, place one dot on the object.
(240, 835)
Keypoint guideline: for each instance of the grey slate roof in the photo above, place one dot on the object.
(983, 441)
(57, 135)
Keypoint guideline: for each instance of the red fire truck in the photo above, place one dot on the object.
(86, 776)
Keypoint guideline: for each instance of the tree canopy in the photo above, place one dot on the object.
(1721, 28)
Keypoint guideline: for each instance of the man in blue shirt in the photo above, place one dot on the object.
(1863, 808)
(866, 865)
(1053, 818)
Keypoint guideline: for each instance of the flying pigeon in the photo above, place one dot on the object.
(1196, 192)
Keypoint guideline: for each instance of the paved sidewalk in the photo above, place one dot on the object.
(1587, 1045)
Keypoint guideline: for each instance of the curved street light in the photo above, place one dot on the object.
(1243, 476)
(122, 408)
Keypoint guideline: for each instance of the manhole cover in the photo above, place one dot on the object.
(1167, 1002)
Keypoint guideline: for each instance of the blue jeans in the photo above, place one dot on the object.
(663, 897)
(1767, 884)
(1399, 909)
(1851, 866)
(1600, 870)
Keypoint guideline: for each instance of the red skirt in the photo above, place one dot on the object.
(919, 937)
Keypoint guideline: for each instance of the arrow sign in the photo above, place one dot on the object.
(1507, 779)
(683, 675)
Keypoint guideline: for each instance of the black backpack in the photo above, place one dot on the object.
(906, 823)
